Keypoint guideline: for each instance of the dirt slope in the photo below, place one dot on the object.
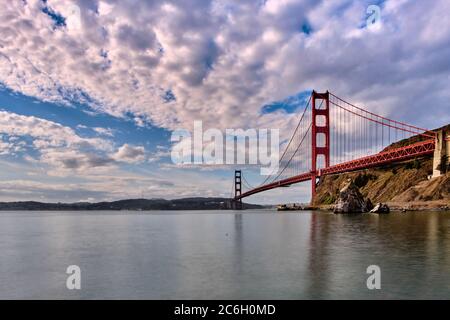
(401, 183)
(428, 190)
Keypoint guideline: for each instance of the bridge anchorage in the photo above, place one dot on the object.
(334, 136)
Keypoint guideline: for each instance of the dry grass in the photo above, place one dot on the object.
(389, 183)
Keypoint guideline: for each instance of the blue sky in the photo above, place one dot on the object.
(92, 90)
(83, 120)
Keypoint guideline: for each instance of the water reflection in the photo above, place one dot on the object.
(318, 259)
(223, 255)
(413, 251)
(238, 242)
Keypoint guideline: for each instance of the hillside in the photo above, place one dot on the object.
(130, 204)
(403, 184)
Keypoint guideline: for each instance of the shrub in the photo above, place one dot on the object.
(329, 199)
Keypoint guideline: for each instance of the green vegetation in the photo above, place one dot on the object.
(413, 165)
(329, 199)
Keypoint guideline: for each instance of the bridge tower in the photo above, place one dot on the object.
(237, 189)
(320, 125)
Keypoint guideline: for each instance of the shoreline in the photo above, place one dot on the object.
(435, 205)
(413, 206)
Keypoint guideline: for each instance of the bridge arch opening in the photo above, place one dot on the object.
(320, 161)
(321, 120)
(321, 141)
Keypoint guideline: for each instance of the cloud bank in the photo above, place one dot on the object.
(170, 62)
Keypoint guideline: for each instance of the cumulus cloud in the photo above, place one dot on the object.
(130, 154)
(104, 131)
(59, 146)
(46, 134)
(222, 60)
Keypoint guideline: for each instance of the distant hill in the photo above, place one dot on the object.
(130, 204)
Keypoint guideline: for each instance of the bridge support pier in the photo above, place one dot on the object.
(320, 126)
(441, 157)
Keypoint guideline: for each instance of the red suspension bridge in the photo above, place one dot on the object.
(334, 136)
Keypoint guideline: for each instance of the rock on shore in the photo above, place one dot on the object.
(380, 208)
(351, 200)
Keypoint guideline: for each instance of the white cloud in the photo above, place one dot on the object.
(223, 60)
(104, 131)
(112, 184)
(46, 133)
(130, 154)
(60, 147)
(5, 148)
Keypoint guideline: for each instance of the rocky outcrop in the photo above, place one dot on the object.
(380, 208)
(351, 200)
(398, 184)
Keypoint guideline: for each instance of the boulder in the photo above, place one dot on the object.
(380, 208)
(369, 205)
(351, 200)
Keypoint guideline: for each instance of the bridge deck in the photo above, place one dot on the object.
(394, 155)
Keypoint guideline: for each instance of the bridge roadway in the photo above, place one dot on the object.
(393, 155)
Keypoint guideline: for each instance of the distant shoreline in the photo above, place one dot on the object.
(186, 204)
(198, 203)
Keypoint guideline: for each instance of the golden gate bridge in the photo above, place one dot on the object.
(335, 136)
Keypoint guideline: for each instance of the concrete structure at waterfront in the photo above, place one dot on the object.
(441, 158)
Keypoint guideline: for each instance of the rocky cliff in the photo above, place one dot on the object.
(402, 183)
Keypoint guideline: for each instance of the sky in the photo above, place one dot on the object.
(91, 90)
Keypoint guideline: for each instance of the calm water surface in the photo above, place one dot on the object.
(224, 255)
